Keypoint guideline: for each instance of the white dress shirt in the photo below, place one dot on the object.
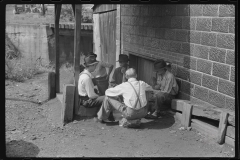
(128, 93)
(85, 85)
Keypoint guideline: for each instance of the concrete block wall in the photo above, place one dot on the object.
(199, 40)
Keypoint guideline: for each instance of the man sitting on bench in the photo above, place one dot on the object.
(88, 98)
(134, 104)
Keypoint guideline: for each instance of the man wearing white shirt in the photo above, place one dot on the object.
(134, 104)
(88, 98)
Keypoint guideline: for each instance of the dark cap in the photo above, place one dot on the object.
(92, 54)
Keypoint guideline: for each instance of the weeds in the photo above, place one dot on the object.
(20, 69)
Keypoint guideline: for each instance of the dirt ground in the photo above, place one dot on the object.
(32, 130)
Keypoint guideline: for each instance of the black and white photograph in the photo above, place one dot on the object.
(120, 80)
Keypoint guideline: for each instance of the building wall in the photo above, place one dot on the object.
(34, 41)
(199, 41)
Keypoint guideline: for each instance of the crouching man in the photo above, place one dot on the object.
(134, 104)
(167, 87)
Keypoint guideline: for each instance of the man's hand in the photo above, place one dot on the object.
(157, 87)
(123, 70)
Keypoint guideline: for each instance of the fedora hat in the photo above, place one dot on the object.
(123, 58)
(92, 54)
(89, 60)
(159, 64)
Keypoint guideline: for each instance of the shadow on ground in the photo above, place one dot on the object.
(20, 148)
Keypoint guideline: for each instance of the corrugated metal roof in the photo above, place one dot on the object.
(84, 26)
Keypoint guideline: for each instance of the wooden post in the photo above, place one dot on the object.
(57, 17)
(51, 86)
(77, 35)
(186, 114)
(222, 127)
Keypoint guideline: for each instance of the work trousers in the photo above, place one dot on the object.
(109, 104)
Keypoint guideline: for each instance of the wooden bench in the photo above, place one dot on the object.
(225, 132)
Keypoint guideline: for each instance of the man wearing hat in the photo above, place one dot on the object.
(167, 86)
(119, 73)
(88, 98)
(100, 74)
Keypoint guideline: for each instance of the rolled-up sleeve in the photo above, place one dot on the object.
(90, 88)
(115, 91)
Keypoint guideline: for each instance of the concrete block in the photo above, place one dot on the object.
(204, 24)
(210, 82)
(176, 22)
(183, 73)
(187, 88)
(209, 39)
(175, 46)
(226, 87)
(226, 41)
(201, 93)
(231, 25)
(230, 59)
(220, 24)
(164, 45)
(190, 62)
(169, 34)
(232, 75)
(195, 77)
(204, 66)
(68, 103)
(217, 54)
(210, 10)
(201, 51)
(216, 99)
(227, 11)
(187, 48)
(182, 35)
(195, 37)
(221, 70)
(196, 10)
(183, 10)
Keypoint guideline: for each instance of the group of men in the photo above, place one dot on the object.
(123, 92)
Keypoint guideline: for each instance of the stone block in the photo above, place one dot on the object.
(201, 93)
(204, 24)
(201, 51)
(164, 45)
(175, 46)
(168, 10)
(232, 76)
(227, 11)
(204, 66)
(209, 39)
(220, 24)
(221, 70)
(144, 10)
(183, 10)
(216, 99)
(167, 22)
(187, 88)
(226, 41)
(155, 43)
(151, 32)
(147, 41)
(210, 10)
(210, 82)
(231, 25)
(182, 35)
(226, 87)
(169, 34)
(160, 33)
(190, 62)
(230, 59)
(217, 54)
(187, 49)
(176, 22)
(196, 10)
(195, 77)
(230, 103)
(195, 37)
